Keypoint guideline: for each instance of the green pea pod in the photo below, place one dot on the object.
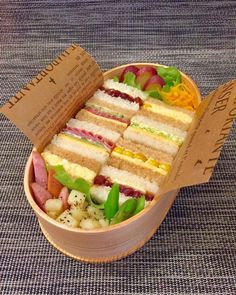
(64, 178)
(111, 206)
(140, 205)
(126, 211)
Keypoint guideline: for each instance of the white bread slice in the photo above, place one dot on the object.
(109, 107)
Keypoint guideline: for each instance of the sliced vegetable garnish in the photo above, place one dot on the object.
(111, 205)
(180, 95)
(126, 211)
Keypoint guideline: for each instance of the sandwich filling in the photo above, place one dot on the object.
(116, 101)
(122, 95)
(75, 170)
(132, 91)
(106, 113)
(95, 128)
(90, 137)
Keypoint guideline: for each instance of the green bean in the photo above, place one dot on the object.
(140, 205)
(126, 210)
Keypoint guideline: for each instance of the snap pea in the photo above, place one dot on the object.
(126, 210)
(140, 205)
(111, 206)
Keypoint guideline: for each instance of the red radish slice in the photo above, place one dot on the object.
(154, 83)
(40, 172)
(54, 186)
(131, 69)
(64, 194)
(41, 195)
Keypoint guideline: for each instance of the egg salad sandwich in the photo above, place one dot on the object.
(175, 116)
(137, 168)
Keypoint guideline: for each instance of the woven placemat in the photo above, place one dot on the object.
(194, 251)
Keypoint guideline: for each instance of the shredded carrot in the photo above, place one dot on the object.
(180, 95)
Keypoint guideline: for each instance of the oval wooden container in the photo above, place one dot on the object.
(114, 242)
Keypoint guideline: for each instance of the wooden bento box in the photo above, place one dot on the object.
(114, 242)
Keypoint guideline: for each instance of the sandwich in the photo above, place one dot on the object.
(109, 108)
(79, 145)
(138, 169)
(159, 126)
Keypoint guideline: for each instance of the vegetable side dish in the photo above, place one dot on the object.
(109, 161)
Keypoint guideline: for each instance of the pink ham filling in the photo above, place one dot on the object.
(91, 136)
(105, 115)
